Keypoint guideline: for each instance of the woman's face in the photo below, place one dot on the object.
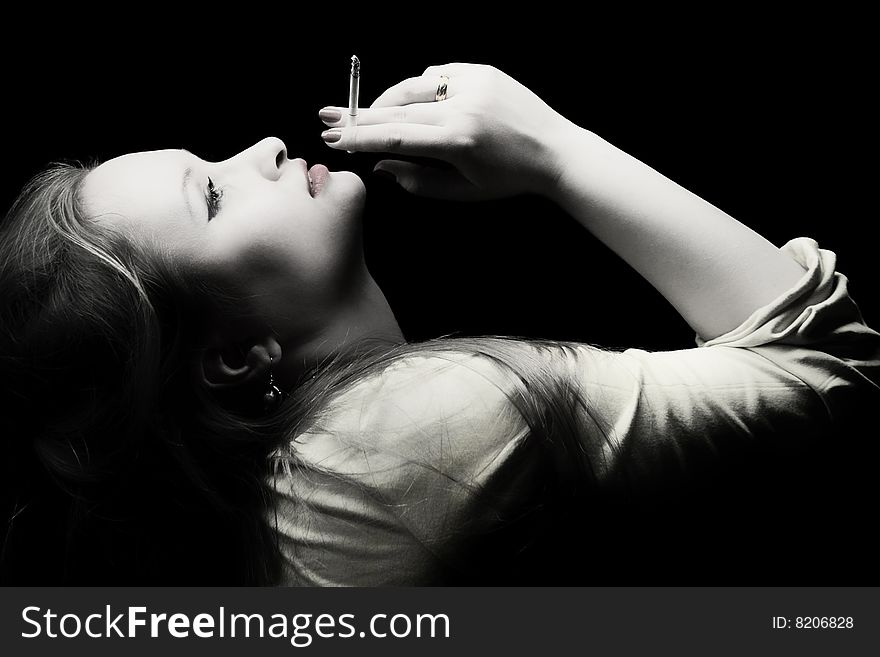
(296, 256)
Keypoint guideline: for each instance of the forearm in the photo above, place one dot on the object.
(714, 270)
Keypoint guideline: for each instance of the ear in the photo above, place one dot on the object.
(241, 363)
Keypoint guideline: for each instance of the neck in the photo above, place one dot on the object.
(366, 324)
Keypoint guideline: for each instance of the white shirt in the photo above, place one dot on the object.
(387, 491)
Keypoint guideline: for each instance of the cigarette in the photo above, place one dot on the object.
(353, 90)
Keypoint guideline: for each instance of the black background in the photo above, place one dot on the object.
(766, 117)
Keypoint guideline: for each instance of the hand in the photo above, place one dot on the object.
(499, 137)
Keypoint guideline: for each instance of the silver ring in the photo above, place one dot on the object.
(441, 88)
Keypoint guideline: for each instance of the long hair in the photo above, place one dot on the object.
(118, 466)
(113, 469)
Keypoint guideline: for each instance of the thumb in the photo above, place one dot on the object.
(430, 182)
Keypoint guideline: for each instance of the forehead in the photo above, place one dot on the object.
(141, 185)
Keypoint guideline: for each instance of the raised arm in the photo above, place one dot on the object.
(712, 268)
(503, 140)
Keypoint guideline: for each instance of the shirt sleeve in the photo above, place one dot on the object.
(788, 373)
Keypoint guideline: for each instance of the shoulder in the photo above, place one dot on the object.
(444, 412)
(382, 492)
(447, 385)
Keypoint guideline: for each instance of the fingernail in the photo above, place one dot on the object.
(330, 115)
(385, 175)
(331, 136)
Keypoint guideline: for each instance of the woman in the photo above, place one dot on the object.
(202, 317)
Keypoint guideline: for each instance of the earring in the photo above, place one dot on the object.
(273, 395)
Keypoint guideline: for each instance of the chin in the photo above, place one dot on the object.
(346, 188)
(349, 181)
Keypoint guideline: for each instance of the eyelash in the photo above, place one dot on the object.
(213, 198)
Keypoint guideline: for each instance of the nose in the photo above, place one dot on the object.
(268, 155)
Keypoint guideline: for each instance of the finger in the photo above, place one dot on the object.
(406, 92)
(455, 68)
(421, 113)
(430, 182)
(403, 138)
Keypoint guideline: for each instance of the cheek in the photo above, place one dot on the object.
(307, 255)
(315, 237)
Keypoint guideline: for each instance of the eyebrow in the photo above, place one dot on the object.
(187, 179)
(187, 176)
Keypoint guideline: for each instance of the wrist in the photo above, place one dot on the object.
(567, 146)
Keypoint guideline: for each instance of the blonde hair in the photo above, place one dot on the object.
(97, 340)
